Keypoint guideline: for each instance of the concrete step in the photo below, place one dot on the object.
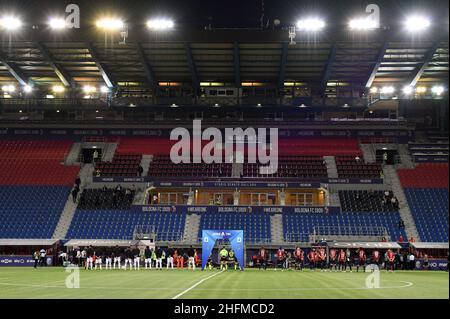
(276, 228)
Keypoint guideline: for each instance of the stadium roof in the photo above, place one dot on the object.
(231, 56)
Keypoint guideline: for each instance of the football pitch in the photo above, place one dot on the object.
(50, 283)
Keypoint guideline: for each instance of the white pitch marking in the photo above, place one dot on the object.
(200, 282)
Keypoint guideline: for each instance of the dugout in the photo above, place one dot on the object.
(19, 252)
(437, 255)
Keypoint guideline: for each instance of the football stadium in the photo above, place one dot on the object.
(224, 150)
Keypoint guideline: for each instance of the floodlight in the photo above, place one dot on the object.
(421, 89)
(160, 24)
(408, 89)
(10, 23)
(438, 90)
(362, 24)
(417, 23)
(57, 23)
(89, 89)
(374, 90)
(27, 89)
(110, 24)
(311, 24)
(104, 89)
(8, 88)
(387, 90)
(58, 89)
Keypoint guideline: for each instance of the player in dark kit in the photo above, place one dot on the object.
(333, 259)
(341, 260)
(361, 259)
(348, 260)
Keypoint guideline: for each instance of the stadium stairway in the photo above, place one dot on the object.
(393, 181)
(74, 154)
(276, 228)
(109, 151)
(191, 228)
(406, 160)
(145, 163)
(368, 153)
(237, 170)
(86, 173)
(331, 166)
(65, 220)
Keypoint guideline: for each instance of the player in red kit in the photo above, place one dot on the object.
(299, 256)
(391, 260)
(322, 256)
(376, 257)
(341, 260)
(361, 259)
(333, 259)
(262, 258)
(312, 259)
(281, 257)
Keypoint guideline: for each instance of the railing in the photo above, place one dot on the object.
(144, 232)
(357, 231)
(297, 238)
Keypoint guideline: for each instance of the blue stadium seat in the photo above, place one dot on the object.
(30, 211)
(120, 224)
(256, 226)
(430, 211)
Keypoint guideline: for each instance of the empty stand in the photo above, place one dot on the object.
(35, 163)
(350, 167)
(256, 226)
(120, 224)
(163, 167)
(425, 176)
(302, 167)
(121, 165)
(31, 212)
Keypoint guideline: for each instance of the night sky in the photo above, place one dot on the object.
(225, 13)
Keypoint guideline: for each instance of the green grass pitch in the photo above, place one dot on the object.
(49, 283)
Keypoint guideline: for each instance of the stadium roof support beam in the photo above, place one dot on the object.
(192, 69)
(15, 71)
(283, 65)
(328, 68)
(421, 68)
(106, 77)
(60, 72)
(237, 65)
(377, 64)
(149, 74)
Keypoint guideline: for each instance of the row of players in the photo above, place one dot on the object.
(120, 258)
(317, 258)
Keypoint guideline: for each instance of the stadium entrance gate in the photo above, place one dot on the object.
(236, 238)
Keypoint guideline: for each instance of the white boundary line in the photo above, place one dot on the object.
(200, 282)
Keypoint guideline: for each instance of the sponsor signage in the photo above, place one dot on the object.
(239, 209)
(433, 264)
(21, 261)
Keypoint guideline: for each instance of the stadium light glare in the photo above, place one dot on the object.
(362, 24)
(89, 89)
(58, 89)
(8, 88)
(10, 23)
(27, 88)
(374, 90)
(417, 23)
(160, 24)
(408, 90)
(311, 24)
(387, 90)
(104, 89)
(438, 90)
(110, 24)
(303, 106)
(57, 23)
(421, 89)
